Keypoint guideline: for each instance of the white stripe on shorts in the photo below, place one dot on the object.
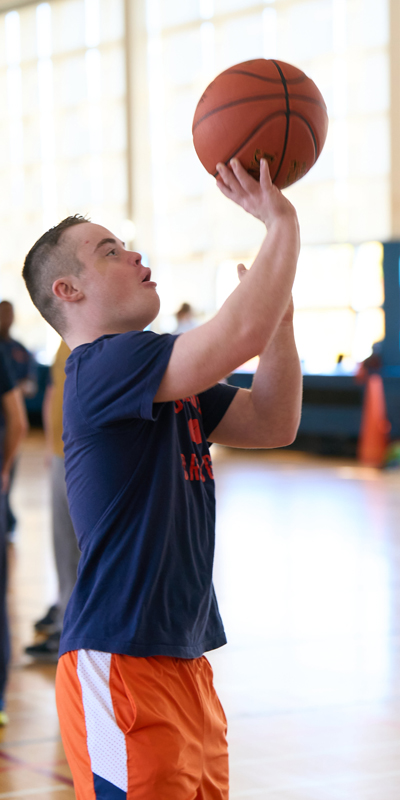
(105, 740)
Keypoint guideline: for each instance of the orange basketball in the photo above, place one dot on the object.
(261, 109)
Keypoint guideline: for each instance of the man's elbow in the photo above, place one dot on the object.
(283, 436)
(288, 439)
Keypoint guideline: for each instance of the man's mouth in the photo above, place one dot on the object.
(147, 276)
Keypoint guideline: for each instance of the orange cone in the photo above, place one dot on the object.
(375, 426)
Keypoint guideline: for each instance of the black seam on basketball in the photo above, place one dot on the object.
(305, 99)
(259, 126)
(296, 114)
(287, 120)
(289, 81)
(256, 98)
(238, 102)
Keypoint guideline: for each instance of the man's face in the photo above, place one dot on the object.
(119, 295)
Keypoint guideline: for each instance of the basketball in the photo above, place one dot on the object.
(261, 109)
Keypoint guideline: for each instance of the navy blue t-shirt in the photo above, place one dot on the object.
(141, 493)
(21, 362)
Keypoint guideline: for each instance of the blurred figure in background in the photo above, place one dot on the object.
(65, 545)
(22, 363)
(23, 369)
(13, 427)
(185, 320)
(371, 365)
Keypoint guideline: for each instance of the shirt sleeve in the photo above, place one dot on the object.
(214, 404)
(119, 376)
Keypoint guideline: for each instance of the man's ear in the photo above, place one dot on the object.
(67, 289)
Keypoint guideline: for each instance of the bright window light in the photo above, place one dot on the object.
(207, 34)
(14, 91)
(206, 9)
(128, 231)
(93, 75)
(16, 142)
(96, 179)
(270, 32)
(227, 280)
(370, 328)
(43, 30)
(95, 130)
(92, 23)
(45, 83)
(13, 38)
(367, 278)
(153, 16)
(49, 194)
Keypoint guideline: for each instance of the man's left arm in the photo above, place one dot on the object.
(269, 414)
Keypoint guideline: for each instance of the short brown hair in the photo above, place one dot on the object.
(46, 261)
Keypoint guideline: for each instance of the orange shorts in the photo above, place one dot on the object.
(142, 728)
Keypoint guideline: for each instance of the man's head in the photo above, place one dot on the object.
(86, 284)
(50, 258)
(6, 318)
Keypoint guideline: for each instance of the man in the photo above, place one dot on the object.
(23, 369)
(23, 366)
(12, 428)
(138, 712)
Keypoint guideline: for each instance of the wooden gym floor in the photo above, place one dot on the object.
(307, 575)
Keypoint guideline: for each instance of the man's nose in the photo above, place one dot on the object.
(134, 258)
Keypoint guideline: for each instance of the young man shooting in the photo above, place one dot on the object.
(138, 712)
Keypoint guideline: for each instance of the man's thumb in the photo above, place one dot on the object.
(241, 269)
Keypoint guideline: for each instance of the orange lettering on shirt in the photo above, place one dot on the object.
(195, 469)
(185, 472)
(208, 465)
(194, 430)
(178, 406)
(194, 400)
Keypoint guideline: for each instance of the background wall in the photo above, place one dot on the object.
(97, 99)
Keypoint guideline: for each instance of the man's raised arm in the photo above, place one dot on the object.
(248, 320)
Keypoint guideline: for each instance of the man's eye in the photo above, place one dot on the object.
(112, 252)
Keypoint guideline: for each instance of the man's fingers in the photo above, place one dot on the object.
(223, 188)
(228, 178)
(265, 175)
(237, 178)
(246, 181)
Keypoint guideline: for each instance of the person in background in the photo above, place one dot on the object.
(372, 364)
(22, 362)
(65, 545)
(184, 319)
(13, 427)
(23, 369)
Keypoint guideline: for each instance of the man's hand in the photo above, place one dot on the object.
(261, 199)
(247, 322)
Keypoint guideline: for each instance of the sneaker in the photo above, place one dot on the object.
(47, 650)
(49, 623)
(3, 719)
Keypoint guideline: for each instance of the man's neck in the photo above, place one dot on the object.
(74, 340)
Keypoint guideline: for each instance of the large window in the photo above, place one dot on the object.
(64, 140)
(199, 236)
(62, 132)
(338, 296)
